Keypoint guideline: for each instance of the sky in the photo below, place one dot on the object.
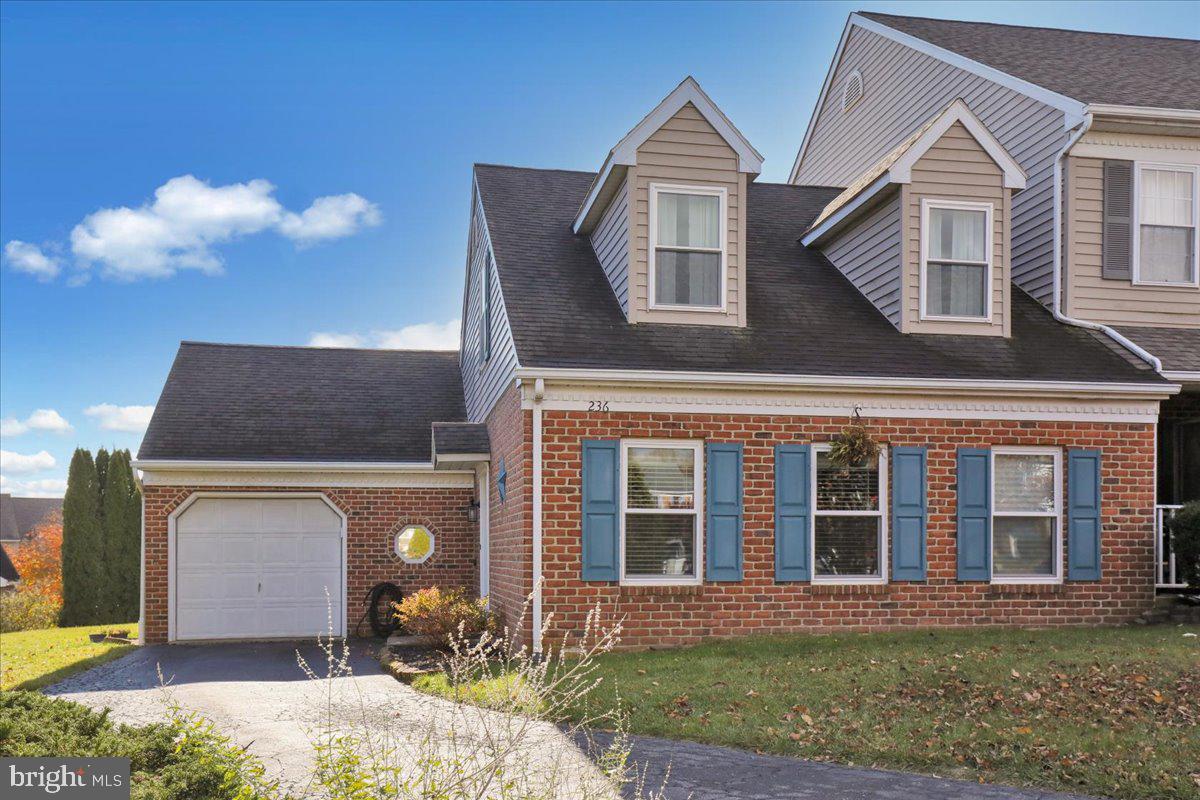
(300, 173)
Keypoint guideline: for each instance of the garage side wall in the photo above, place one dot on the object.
(374, 516)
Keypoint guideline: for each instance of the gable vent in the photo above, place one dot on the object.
(852, 90)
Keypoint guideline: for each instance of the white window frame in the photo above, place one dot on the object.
(723, 250)
(927, 204)
(881, 512)
(485, 311)
(1136, 214)
(698, 511)
(1055, 515)
(396, 543)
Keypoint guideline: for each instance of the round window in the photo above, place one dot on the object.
(414, 544)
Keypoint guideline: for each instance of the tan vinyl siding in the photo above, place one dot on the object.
(687, 150)
(1113, 302)
(956, 168)
(484, 383)
(869, 254)
(610, 242)
(903, 89)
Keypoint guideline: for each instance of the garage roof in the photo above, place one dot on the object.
(257, 403)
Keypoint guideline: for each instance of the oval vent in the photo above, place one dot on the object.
(852, 90)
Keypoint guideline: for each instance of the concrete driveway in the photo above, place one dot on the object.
(257, 694)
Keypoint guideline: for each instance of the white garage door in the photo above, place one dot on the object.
(257, 568)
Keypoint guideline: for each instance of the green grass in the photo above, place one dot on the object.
(1112, 712)
(502, 691)
(33, 659)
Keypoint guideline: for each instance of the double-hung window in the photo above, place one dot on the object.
(687, 260)
(485, 310)
(661, 503)
(1026, 509)
(956, 260)
(849, 525)
(1165, 238)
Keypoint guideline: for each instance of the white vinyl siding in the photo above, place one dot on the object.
(906, 88)
(869, 254)
(610, 242)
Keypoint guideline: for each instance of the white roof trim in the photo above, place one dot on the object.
(1072, 108)
(624, 154)
(1014, 176)
(163, 464)
(835, 219)
(1149, 113)
(1181, 376)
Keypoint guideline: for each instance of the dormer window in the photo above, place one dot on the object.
(687, 262)
(956, 260)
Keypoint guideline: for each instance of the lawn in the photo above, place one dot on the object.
(33, 659)
(1113, 712)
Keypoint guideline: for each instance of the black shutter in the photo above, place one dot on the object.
(1117, 241)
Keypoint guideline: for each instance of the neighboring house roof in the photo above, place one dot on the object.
(460, 438)
(258, 403)
(804, 316)
(20, 515)
(1177, 348)
(7, 571)
(1104, 68)
(896, 167)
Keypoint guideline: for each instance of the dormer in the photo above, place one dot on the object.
(925, 232)
(666, 215)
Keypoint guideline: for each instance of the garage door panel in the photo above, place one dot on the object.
(241, 571)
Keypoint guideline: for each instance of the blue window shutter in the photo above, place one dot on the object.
(974, 515)
(1083, 515)
(793, 512)
(909, 513)
(601, 505)
(723, 496)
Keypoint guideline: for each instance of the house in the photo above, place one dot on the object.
(20, 516)
(9, 577)
(657, 357)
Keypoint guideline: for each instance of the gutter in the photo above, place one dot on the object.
(282, 466)
(1057, 240)
(539, 391)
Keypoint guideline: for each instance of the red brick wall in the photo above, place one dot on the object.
(510, 528)
(374, 516)
(759, 605)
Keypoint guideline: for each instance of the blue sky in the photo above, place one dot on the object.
(378, 109)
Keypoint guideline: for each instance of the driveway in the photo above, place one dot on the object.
(257, 694)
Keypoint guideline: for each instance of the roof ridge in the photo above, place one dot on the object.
(535, 169)
(1025, 27)
(194, 343)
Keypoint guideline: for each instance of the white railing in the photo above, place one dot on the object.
(1165, 575)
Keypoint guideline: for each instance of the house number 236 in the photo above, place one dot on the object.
(597, 405)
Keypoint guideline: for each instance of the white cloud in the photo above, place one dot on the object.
(21, 463)
(184, 225)
(31, 259)
(43, 419)
(45, 487)
(330, 218)
(131, 419)
(422, 336)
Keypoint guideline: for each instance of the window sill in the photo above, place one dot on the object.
(1023, 589)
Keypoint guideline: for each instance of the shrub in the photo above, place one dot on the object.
(26, 610)
(440, 614)
(1185, 538)
(177, 760)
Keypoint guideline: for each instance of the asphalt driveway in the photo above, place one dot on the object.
(258, 694)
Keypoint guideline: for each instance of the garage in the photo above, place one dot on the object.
(256, 567)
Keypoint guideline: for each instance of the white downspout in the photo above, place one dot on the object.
(1058, 249)
(539, 391)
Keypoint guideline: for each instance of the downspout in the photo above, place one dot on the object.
(141, 637)
(539, 391)
(1058, 250)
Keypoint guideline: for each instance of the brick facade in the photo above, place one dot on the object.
(510, 528)
(757, 604)
(374, 516)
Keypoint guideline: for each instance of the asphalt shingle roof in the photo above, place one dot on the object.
(258, 403)
(804, 317)
(20, 515)
(460, 438)
(1089, 67)
(1177, 348)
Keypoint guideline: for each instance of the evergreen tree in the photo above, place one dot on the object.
(122, 537)
(102, 459)
(83, 543)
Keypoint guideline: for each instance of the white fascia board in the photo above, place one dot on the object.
(625, 152)
(165, 465)
(757, 380)
(835, 220)
(1180, 376)
(1014, 176)
(1148, 113)
(603, 178)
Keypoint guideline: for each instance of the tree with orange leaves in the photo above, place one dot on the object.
(39, 561)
